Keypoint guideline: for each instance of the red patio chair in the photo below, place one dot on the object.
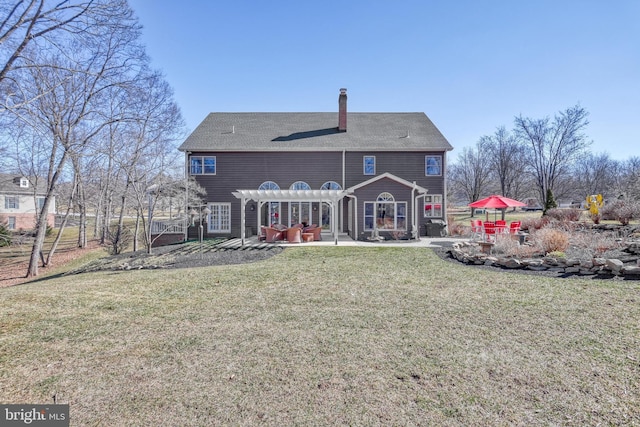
(501, 226)
(489, 232)
(514, 227)
(476, 228)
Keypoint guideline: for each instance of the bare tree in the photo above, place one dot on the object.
(25, 23)
(504, 155)
(594, 174)
(470, 175)
(628, 185)
(68, 93)
(150, 149)
(553, 146)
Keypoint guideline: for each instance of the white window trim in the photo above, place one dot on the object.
(433, 201)
(212, 207)
(14, 199)
(395, 216)
(425, 165)
(364, 165)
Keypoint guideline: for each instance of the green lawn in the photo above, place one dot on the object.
(325, 336)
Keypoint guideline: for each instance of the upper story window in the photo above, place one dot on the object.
(269, 185)
(11, 202)
(24, 183)
(433, 165)
(40, 203)
(369, 165)
(331, 185)
(202, 165)
(300, 185)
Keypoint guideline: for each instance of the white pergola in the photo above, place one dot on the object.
(332, 197)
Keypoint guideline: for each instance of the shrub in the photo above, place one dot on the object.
(595, 217)
(457, 229)
(532, 224)
(512, 248)
(593, 245)
(621, 211)
(551, 240)
(5, 236)
(565, 215)
(119, 239)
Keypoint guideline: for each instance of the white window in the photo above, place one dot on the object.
(220, 218)
(385, 214)
(24, 183)
(269, 185)
(331, 185)
(300, 185)
(202, 165)
(11, 202)
(433, 206)
(11, 223)
(40, 203)
(433, 165)
(369, 165)
(271, 211)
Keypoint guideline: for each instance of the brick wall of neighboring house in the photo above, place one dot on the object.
(25, 221)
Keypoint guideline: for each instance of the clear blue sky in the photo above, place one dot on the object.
(471, 66)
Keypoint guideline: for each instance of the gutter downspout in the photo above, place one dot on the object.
(414, 210)
(186, 194)
(444, 196)
(417, 219)
(355, 215)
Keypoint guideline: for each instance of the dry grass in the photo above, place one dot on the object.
(325, 336)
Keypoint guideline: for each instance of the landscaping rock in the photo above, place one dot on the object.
(615, 265)
(510, 263)
(631, 271)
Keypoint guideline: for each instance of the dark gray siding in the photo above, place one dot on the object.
(247, 170)
(407, 165)
(370, 193)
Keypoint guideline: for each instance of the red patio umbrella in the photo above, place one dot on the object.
(496, 202)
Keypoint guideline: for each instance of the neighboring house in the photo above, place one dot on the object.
(364, 174)
(20, 199)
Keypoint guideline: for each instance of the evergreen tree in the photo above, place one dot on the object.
(550, 203)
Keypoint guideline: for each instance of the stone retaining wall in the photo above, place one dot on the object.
(596, 266)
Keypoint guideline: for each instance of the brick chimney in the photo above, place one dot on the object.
(342, 111)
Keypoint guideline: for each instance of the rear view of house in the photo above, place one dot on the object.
(363, 174)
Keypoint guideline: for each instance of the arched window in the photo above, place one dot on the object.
(270, 211)
(331, 185)
(385, 214)
(269, 185)
(385, 197)
(300, 185)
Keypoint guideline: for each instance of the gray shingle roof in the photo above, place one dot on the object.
(10, 184)
(315, 132)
